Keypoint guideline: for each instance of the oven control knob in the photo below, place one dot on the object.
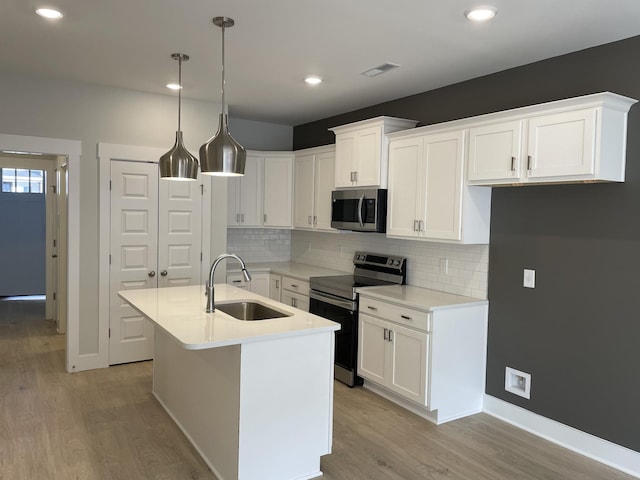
(396, 263)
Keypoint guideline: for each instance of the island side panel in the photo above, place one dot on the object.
(286, 407)
(200, 389)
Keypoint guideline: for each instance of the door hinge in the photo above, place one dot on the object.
(109, 184)
(54, 243)
(109, 259)
(201, 189)
(54, 295)
(201, 256)
(109, 332)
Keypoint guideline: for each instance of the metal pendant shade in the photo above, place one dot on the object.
(178, 163)
(222, 155)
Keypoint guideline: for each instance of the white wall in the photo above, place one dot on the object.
(48, 107)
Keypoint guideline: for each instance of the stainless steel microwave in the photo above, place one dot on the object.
(359, 210)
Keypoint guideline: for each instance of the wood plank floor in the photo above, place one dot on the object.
(105, 424)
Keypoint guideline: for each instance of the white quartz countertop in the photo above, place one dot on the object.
(180, 311)
(420, 298)
(300, 271)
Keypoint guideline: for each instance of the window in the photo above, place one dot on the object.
(22, 180)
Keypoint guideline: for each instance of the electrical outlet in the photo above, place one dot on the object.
(529, 278)
(517, 382)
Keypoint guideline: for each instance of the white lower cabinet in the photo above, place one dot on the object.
(295, 292)
(393, 356)
(275, 287)
(429, 360)
(260, 282)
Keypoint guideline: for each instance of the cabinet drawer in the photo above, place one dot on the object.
(296, 300)
(295, 285)
(396, 313)
(237, 280)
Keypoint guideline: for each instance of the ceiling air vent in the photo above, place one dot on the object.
(375, 71)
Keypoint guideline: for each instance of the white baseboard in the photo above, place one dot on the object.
(603, 451)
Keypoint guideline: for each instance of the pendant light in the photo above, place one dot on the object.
(178, 163)
(222, 155)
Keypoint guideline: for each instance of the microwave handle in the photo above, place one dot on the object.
(360, 204)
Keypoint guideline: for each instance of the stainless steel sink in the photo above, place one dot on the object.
(250, 311)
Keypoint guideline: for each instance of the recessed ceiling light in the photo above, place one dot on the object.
(481, 14)
(174, 86)
(49, 13)
(313, 80)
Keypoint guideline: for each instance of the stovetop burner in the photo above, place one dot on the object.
(370, 270)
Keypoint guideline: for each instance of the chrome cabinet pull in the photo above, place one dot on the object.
(372, 308)
(242, 217)
(406, 317)
(386, 334)
(315, 219)
(309, 220)
(294, 286)
(294, 302)
(415, 225)
(420, 226)
(237, 218)
(529, 162)
(265, 218)
(277, 283)
(236, 281)
(513, 164)
(152, 273)
(355, 176)
(164, 273)
(391, 335)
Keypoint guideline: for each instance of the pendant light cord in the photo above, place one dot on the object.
(223, 103)
(179, 90)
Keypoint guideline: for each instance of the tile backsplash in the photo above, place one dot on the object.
(260, 244)
(466, 269)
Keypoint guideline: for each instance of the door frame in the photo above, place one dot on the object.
(71, 149)
(132, 153)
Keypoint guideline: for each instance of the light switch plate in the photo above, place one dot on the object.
(529, 278)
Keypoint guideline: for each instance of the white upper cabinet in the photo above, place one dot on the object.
(244, 208)
(580, 139)
(362, 151)
(263, 196)
(278, 190)
(313, 183)
(427, 196)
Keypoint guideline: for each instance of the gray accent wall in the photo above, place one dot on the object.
(22, 244)
(578, 332)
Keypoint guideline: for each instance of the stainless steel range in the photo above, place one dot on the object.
(335, 298)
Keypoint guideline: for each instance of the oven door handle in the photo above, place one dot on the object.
(360, 204)
(332, 300)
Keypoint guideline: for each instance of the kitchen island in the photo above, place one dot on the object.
(255, 398)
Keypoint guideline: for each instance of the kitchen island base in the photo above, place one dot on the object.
(258, 410)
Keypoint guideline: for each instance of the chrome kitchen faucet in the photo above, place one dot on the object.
(211, 307)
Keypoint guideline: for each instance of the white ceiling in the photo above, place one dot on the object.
(276, 43)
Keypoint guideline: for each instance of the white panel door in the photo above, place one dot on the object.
(179, 233)
(324, 179)
(442, 177)
(408, 373)
(495, 152)
(278, 191)
(367, 157)
(372, 341)
(303, 192)
(134, 256)
(562, 144)
(405, 195)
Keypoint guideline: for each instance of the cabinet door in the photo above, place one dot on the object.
(278, 188)
(408, 363)
(296, 300)
(372, 348)
(233, 201)
(495, 152)
(562, 144)
(404, 196)
(251, 193)
(275, 287)
(441, 214)
(345, 155)
(260, 284)
(303, 192)
(368, 157)
(324, 179)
